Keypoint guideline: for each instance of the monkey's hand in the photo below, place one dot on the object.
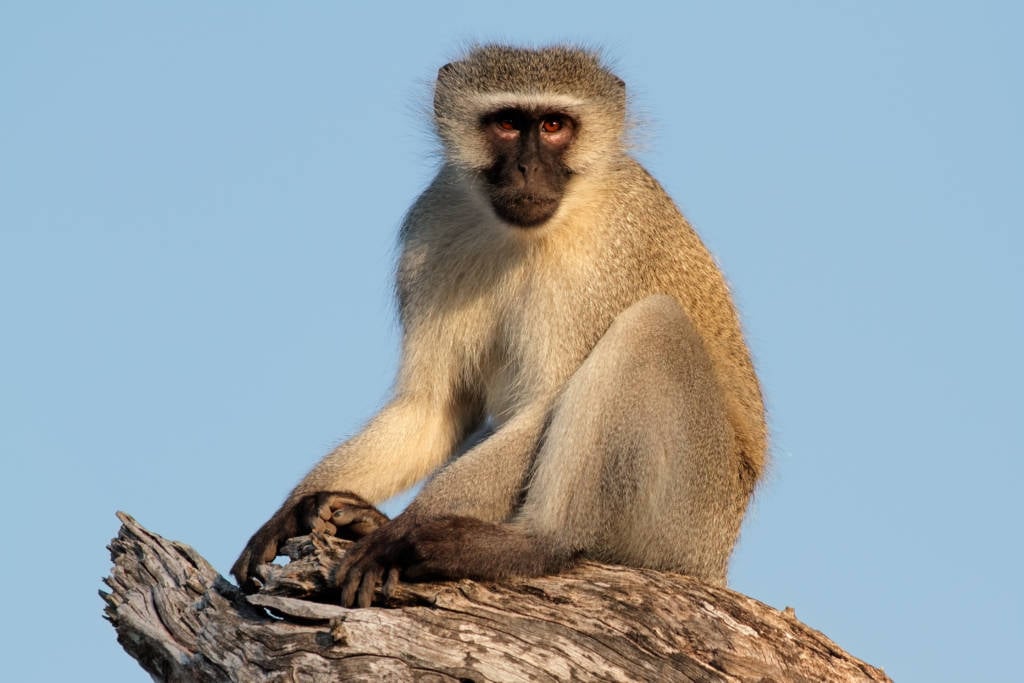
(338, 513)
(411, 547)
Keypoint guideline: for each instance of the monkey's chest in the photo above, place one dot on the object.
(503, 395)
(532, 352)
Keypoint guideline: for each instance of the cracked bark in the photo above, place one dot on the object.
(183, 622)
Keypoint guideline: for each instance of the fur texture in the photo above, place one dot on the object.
(602, 347)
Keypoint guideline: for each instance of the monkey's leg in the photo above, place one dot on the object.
(636, 467)
(639, 465)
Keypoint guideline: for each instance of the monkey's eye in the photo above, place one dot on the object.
(506, 124)
(552, 124)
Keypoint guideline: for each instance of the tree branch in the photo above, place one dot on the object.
(183, 622)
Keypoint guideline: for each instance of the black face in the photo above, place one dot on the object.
(528, 178)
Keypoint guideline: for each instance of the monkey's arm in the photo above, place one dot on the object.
(410, 437)
(487, 481)
(483, 485)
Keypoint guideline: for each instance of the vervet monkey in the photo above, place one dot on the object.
(549, 288)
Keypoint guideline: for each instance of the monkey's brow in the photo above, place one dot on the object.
(542, 101)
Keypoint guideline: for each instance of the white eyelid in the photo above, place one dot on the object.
(493, 101)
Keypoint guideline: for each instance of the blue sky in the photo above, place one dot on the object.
(198, 208)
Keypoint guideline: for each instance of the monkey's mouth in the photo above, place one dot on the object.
(524, 210)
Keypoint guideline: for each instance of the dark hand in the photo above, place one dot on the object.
(338, 513)
(412, 547)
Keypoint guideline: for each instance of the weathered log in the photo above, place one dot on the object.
(184, 622)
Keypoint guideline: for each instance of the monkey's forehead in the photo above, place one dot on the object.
(573, 74)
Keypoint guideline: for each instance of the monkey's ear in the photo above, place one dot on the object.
(445, 76)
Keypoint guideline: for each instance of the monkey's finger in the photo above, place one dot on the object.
(350, 579)
(327, 503)
(327, 507)
(323, 527)
(247, 569)
(340, 572)
(367, 585)
(265, 553)
(360, 521)
(391, 583)
(346, 516)
(349, 585)
(241, 567)
(351, 513)
(254, 555)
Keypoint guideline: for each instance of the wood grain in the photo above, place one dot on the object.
(183, 622)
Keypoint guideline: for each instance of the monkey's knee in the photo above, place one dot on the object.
(650, 343)
(654, 308)
(652, 323)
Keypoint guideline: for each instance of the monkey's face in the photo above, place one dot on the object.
(526, 182)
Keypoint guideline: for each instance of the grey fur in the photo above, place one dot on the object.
(628, 424)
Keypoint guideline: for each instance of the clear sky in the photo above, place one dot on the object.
(198, 210)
